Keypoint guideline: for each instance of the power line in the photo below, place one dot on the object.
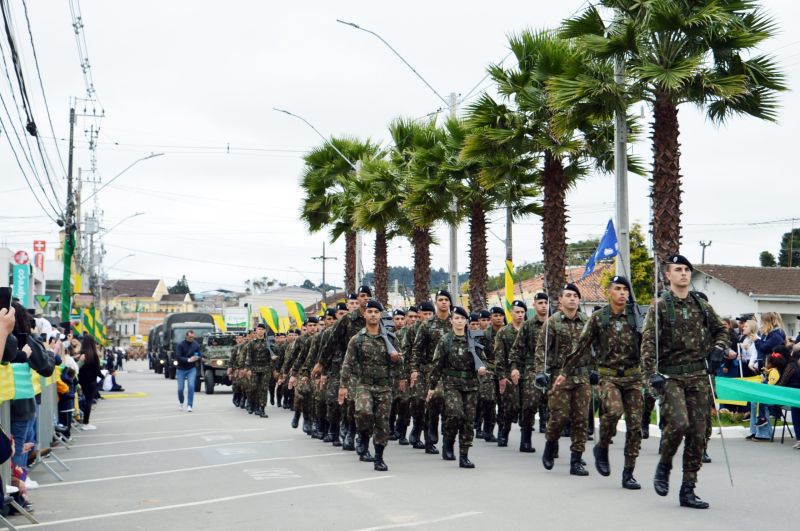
(83, 50)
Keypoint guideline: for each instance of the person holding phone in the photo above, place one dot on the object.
(187, 354)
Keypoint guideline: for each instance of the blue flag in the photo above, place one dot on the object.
(609, 246)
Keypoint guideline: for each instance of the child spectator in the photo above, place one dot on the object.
(66, 402)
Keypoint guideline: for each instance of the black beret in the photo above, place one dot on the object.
(280, 334)
(571, 287)
(412, 309)
(474, 317)
(341, 306)
(619, 279)
(365, 289)
(680, 259)
(372, 303)
(312, 320)
(497, 310)
(261, 325)
(458, 310)
(427, 306)
(352, 296)
(399, 312)
(519, 304)
(444, 293)
(485, 314)
(541, 296)
(331, 312)
(294, 331)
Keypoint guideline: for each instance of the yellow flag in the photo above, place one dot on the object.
(220, 322)
(270, 316)
(296, 311)
(509, 285)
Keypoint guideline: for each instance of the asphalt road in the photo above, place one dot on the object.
(150, 466)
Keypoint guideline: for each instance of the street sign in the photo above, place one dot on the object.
(42, 300)
(39, 246)
(82, 300)
(38, 261)
(21, 258)
(21, 283)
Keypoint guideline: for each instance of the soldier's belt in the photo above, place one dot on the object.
(458, 374)
(375, 381)
(677, 370)
(620, 373)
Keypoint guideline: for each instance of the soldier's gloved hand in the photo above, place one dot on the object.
(542, 380)
(594, 378)
(658, 382)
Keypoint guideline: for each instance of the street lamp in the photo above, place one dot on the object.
(118, 223)
(451, 103)
(117, 176)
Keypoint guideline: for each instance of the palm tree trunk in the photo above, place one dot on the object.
(477, 258)
(421, 241)
(554, 226)
(381, 267)
(350, 261)
(666, 180)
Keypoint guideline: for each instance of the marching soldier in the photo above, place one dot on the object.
(522, 370)
(234, 366)
(425, 341)
(279, 350)
(509, 391)
(569, 401)
(485, 319)
(299, 381)
(612, 333)
(457, 362)
(398, 420)
(259, 358)
(330, 379)
(682, 325)
(369, 370)
(416, 394)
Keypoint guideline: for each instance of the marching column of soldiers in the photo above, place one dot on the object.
(349, 381)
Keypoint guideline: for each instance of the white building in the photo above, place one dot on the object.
(735, 290)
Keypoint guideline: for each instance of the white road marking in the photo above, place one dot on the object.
(260, 474)
(203, 502)
(204, 433)
(93, 435)
(420, 523)
(227, 452)
(93, 457)
(188, 469)
(101, 422)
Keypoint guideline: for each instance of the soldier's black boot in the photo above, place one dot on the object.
(478, 425)
(601, 460)
(463, 458)
(262, 413)
(688, 498)
(307, 425)
(379, 464)
(334, 431)
(236, 399)
(365, 456)
(250, 408)
(327, 431)
(549, 454)
(417, 443)
(555, 452)
(393, 422)
(431, 438)
(316, 430)
(645, 428)
(628, 481)
(706, 457)
(502, 435)
(488, 432)
(296, 419)
(414, 435)
(661, 479)
(402, 429)
(433, 430)
(525, 444)
(576, 467)
(448, 453)
(348, 443)
(360, 444)
(243, 403)
(542, 424)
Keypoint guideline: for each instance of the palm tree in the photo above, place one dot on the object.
(327, 202)
(681, 51)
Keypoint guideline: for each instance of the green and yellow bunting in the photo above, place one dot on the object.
(296, 311)
(509, 288)
(270, 316)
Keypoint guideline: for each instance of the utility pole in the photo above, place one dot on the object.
(621, 179)
(323, 258)
(455, 288)
(359, 238)
(69, 228)
(703, 255)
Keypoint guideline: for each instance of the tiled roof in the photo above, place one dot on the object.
(591, 291)
(756, 280)
(132, 287)
(173, 297)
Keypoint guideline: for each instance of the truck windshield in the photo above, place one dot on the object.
(179, 334)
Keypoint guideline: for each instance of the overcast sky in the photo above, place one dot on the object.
(197, 81)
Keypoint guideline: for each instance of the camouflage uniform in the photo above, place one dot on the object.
(684, 334)
(369, 373)
(454, 366)
(260, 363)
(416, 394)
(569, 402)
(280, 354)
(302, 387)
(503, 343)
(285, 369)
(425, 341)
(236, 386)
(522, 355)
(400, 399)
(618, 359)
(318, 404)
(487, 389)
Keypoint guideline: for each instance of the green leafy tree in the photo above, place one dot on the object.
(767, 259)
(789, 255)
(180, 287)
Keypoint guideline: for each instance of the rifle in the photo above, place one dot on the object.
(472, 346)
(390, 348)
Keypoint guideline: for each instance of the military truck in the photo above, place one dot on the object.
(174, 331)
(153, 340)
(216, 360)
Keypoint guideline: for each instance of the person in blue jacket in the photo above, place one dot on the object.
(187, 353)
